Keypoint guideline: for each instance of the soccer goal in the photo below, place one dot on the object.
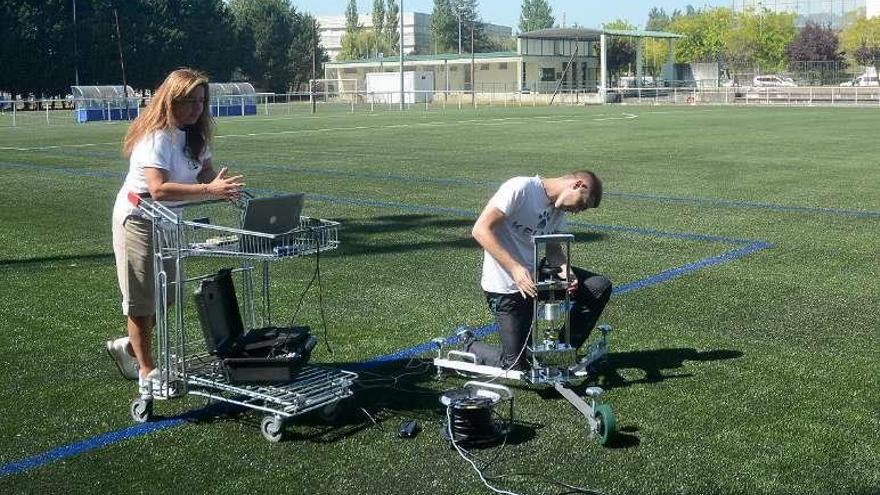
(334, 90)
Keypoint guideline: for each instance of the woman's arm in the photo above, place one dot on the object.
(220, 186)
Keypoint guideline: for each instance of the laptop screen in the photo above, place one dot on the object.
(273, 215)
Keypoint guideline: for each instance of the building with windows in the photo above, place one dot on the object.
(417, 36)
(834, 12)
(546, 61)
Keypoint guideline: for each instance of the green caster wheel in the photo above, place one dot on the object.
(606, 427)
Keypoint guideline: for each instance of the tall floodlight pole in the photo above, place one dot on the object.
(75, 48)
(402, 105)
(458, 14)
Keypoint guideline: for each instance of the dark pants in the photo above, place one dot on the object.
(513, 312)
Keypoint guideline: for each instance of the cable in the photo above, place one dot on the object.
(465, 457)
(315, 276)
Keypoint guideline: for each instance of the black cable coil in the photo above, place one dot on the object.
(472, 422)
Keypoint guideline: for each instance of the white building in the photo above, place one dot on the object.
(834, 12)
(416, 32)
(540, 64)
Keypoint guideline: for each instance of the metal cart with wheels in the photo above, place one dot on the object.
(211, 230)
(552, 361)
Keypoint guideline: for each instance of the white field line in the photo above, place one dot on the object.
(482, 122)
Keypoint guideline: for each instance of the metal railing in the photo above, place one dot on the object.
(57, 112)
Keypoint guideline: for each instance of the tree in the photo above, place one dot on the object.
(621, 50)
(379, 17)
(392, 25)
(444, 27)
(760, 39)
(352, 22)
(814, 42)
(705, 34)
(535, 15)
(658, 20)
(305, 45)
(265, 29)
(861, 41)
(468, 12)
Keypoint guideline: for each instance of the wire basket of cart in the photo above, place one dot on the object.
(279, 382)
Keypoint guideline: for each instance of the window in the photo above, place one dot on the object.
(453, 68)
(484, 66)
(548, 74)
(502, 66)
(350, 70)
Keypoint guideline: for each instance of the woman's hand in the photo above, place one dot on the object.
(225, 187)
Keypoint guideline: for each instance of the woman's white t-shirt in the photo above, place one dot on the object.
(528, 212)
(164, 149)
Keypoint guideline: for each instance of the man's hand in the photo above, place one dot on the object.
(524, 281)
(571, 278)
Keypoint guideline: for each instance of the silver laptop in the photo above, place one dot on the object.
(273, 215)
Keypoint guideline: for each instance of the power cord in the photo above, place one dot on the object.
(315, 276)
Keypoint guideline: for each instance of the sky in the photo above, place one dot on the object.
(586, 13)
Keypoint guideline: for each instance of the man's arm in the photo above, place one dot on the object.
(484, 233)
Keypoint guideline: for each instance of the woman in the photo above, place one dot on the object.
(169, 160)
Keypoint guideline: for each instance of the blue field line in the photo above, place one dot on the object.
(654, 198)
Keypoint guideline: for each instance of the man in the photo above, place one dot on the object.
(524, 207)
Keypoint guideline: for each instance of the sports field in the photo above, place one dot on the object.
(743, 244)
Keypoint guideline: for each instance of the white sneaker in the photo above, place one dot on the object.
(152, 386)
(125, 362)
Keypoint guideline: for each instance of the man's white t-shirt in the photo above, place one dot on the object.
(163, 149)
(527, 211)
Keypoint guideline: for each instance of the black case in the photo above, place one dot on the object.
(271, 354)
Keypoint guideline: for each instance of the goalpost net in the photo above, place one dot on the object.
(334, 90)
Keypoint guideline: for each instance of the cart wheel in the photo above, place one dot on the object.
(606, 427)
(272, 429)
(329, 413)
(141, 410)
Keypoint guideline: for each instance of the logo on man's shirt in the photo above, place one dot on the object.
(540, 229)
(192, 164)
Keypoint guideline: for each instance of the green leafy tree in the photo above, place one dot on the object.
(392, 25)
(305, 45)
(379, 17)
(535, 15)
(705, 34)
(860, 41)
(265, 30)
(471, 22)
(444, 27)
(658, 20)
(621, 50)
(760, 39)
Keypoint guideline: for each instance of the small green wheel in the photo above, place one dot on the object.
(141, 410)
(272, 429)
(606, 427)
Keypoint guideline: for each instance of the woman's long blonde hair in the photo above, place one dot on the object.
(159, 113)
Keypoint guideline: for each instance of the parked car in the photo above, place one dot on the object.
(772, 81)
(863, 80)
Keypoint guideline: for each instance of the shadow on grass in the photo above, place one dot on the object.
(656, 364)
(27, 262)
(359, 236)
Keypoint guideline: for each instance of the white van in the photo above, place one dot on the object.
(869, 78)
(772, 81)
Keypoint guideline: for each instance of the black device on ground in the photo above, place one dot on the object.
(259, 355)
(408, 429)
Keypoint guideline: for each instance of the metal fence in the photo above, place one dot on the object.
(56, 112)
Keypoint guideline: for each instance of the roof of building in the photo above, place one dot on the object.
(393, 59)
(591, 34)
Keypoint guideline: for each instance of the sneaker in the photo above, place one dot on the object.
(152, 386)
(125, 362)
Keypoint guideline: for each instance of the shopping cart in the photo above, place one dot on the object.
(211, 230)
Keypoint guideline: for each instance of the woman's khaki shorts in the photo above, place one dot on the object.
(133, 247)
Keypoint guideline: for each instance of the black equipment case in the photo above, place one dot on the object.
(260, 355)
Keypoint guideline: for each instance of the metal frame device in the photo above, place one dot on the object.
(553, 362)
